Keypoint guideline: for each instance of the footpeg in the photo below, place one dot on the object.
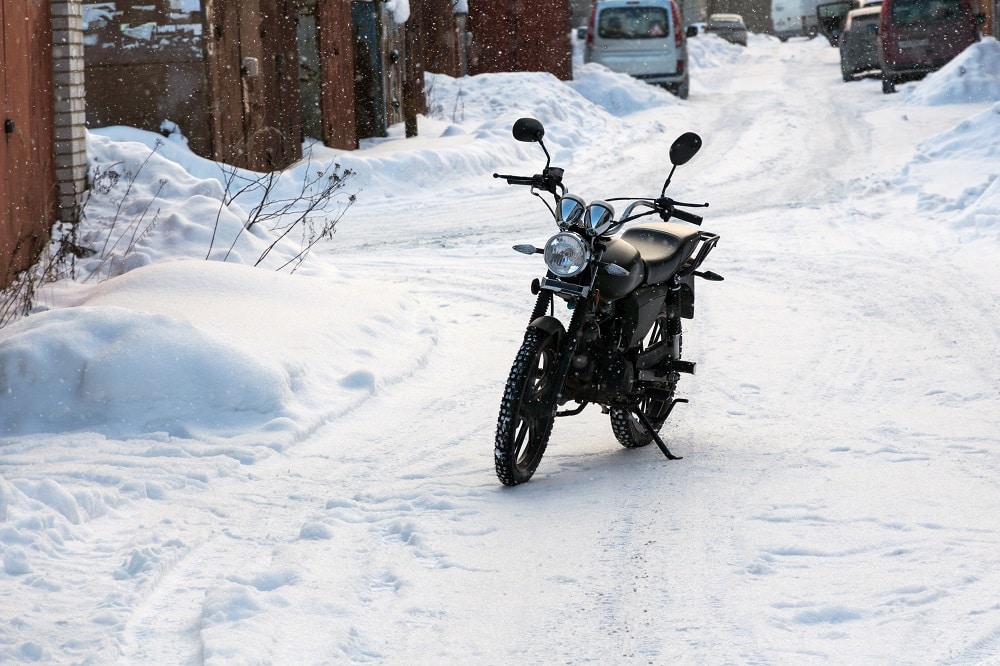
(683, 366)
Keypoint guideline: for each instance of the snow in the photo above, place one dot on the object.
(217, 462)
(973, 76)
(400, 10)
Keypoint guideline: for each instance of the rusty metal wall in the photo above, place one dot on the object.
(521, 36)
(227, 75)
(144, 65)
(28, 194)
(440, 39)
(336, 53)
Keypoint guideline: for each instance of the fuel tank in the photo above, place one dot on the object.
(623, 254)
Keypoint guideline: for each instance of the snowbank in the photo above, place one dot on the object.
(183, 348)
(968, 157)
(708, 51)
(972, 76)
(617, 93)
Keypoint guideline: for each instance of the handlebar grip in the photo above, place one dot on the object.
(687, 217)
(516, 180)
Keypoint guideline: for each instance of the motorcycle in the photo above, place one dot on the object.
(627, 294)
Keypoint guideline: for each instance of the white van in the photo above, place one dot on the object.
(794, 18)
(643, 38)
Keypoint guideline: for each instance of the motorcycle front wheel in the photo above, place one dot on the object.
(527, 409)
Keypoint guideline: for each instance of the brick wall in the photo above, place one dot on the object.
(70, 106)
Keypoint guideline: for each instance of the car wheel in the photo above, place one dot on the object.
(846, 72)
(684, 88)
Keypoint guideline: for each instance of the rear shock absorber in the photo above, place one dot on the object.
(674, 335)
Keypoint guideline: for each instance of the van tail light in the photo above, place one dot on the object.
(591, 24)
(678, 28)
(680, 67)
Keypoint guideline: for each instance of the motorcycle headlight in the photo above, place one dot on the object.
(566, 254)
(599, 217)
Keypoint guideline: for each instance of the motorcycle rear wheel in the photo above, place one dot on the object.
(628, 429)
(527, 409)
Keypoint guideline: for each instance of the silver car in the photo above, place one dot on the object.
(642, 38)
(728, 26)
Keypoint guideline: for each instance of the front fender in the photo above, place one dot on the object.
(549, 325)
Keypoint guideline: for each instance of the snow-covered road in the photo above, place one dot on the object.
(836, 499)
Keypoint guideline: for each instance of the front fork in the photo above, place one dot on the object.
(568, 342)
(542, 304)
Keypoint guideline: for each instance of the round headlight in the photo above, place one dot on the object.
(598, 218)
(566, 254)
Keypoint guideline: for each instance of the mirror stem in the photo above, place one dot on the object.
(667, 182)
(548, 160)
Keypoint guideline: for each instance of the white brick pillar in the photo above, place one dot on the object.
(70, 105)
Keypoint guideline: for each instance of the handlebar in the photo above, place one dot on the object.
(686, 216)
(667, 208)
(664, 206)
(549, 180)
(533, 181)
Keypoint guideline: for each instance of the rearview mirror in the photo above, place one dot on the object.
(528, 130)
(684, 148)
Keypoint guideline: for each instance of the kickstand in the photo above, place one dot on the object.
(656, 437)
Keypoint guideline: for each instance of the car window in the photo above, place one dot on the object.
(633, 23)
(908, 12)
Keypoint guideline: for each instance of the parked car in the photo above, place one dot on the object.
(859, 41)
(728, 26)
(642, 38)
(831, 16)
(920, 36)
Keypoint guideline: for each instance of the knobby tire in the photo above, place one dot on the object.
(527, 409)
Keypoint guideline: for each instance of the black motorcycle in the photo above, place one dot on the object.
(627, 296)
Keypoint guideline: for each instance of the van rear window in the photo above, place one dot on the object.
(633, 23)
(908, 12)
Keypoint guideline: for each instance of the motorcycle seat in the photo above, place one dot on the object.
(663, 246)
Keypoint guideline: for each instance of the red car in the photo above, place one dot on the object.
(920, 36)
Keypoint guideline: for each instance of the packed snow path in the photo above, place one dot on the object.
(836, 497)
